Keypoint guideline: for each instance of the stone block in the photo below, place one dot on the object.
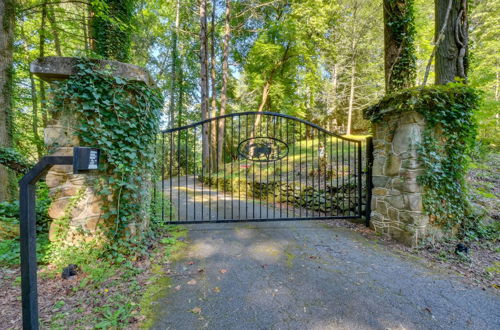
(406, 138)
(393, 214)
(57, 208)
(408, 186)
(381, 208)
(396, 201)
(380, 181)
(55, 179)
(411, 117)
(392, 165)
(379, 191)
(414, 202)
(60, 136)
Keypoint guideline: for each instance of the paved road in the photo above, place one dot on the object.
(306, 275)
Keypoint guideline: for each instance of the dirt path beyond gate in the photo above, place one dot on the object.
(305, 275)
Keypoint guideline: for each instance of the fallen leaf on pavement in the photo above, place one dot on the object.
(216, 289)
(196, 310)
(223, 271)
(192, 282)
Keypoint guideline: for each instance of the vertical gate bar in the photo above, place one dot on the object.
(319, 174)
(267, 171)
(162, 194)
(202, 129)
(337, 192)
(216, 168)
(231, 158)
(369, 184)
(293, 165)
(178, 170)
(187, 171)
(239, 170)
(276, 120)
(209, 170)
(360, 202)
(330, 138)
(194, 173)
(299, 173)
(307, 174)
(325, 174)
(343, 177)
(287, 128)
(171, 183)
(246, 174)
(349, 202)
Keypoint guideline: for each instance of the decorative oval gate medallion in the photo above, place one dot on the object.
(263, 149)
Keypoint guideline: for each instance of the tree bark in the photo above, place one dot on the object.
(399, 58)
(43, 95)
(225, 74)
(51, 15)
(452, 51)
(174, 67)
(204, 84)
(34, 122)
(7, 21)
(351, 96)
(213, 85)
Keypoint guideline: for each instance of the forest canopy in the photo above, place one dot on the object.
(320, 60)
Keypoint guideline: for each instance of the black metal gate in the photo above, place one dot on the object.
(258, 166)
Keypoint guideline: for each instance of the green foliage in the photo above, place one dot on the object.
(111, 28)
(14, 160)
(121, 118)
(448, 140)
(401, 23)
(9, 224)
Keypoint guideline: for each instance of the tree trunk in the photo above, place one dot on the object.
(34, 122)
(225, 74)
(452, 50)
(399, 50)
(7, 21)
(213, 85)
(174, 66)
(351, 97)
(51, 15)
(41, 53)
(204, 84)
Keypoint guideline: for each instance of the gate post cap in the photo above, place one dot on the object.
(53, 68)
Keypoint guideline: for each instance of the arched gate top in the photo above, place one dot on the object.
(255, 113)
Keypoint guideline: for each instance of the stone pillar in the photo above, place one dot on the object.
(76, 209)
(397, 208)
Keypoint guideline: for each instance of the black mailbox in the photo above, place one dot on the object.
(85, 159)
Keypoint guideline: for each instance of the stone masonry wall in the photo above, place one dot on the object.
(397, 208)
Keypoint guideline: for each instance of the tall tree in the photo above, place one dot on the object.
(111, 28)
(7, 15)
(225, 74)
(174, 54)
(399, 35)
(204, 82)
(452, 47)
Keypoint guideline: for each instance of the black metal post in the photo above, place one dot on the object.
(369, 183)
(27, 187)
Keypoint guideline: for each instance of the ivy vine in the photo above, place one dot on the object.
(400, 22)
(448, 140)
(121, 118)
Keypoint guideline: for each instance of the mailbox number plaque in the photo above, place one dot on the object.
(85, 159)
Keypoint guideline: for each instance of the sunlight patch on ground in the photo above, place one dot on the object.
(266, 251)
